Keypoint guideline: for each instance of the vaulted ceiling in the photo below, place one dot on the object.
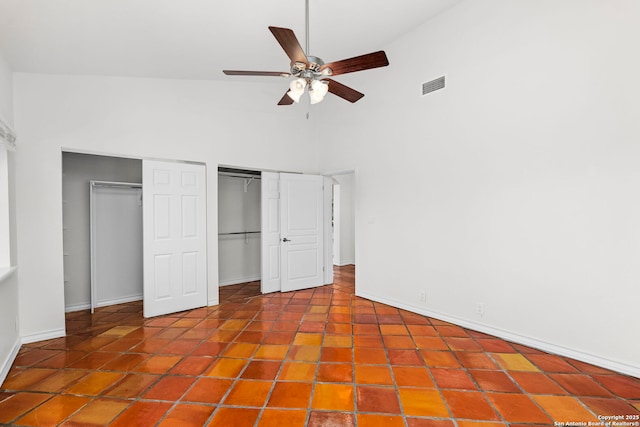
(193, 39)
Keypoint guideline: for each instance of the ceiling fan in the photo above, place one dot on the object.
(311, 72)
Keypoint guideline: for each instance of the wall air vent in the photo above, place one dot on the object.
(433, 85)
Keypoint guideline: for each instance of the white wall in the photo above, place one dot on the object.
(206, 121)
(9, 335)
(78, 169)
(517, 185)
(238, 255)
(6, 91)
(347, 219)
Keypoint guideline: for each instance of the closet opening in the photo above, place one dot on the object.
(102, 230)
(239, 226)
(274, 229)
(134, 229)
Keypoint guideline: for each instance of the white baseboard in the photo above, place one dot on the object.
(115, 301)
(5, 366)
(77, 307)
(42, 336)
(343, 263)
(239, 280)
(87, 305)
(513, 337)
(213, 302)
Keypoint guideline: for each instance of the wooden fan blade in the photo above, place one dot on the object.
(256, 73)
(343, 91)
(358, 63)
(290, 44)
(286, 100)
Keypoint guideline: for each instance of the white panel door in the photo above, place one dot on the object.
(174, 237)
(301, 225)
(270, 207)
(327, 189)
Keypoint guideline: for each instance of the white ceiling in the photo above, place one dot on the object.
(194, 39)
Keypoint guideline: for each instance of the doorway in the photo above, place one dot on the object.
(239, 231)
(344, 219)
(116, 243)
(78, 170)
(283, 223)
(174, 255)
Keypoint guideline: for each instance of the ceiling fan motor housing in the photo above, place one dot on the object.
(309, 71)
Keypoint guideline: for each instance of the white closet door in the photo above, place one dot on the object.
(328, 228)
(270, 207)
(302, 240)
(175, 245)
(116, 243)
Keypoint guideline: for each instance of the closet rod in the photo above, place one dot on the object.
(239, 176)
(239, 232)
(115, 184)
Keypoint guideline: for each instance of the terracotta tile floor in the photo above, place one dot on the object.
(319, 357)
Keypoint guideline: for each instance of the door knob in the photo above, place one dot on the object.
(286, 240)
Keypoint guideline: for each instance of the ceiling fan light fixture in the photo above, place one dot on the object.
(297, 89)
(298, 85)
(320, 87)
(295, 95)
(318, 90)
(314, 98)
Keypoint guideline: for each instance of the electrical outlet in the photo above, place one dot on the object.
(480, 309)
(423, 296)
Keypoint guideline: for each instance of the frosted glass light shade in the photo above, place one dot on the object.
(295, 95)
(298, 85)
(315, 97)
(319, 86)
(318, 90)
(297, 89)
